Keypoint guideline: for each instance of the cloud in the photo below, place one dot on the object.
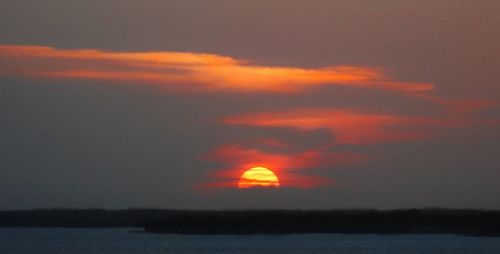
(201, 72)
(189, 71)
(350, 126)
(292, 169)
(355, 127)
(457, 107)
(347, 126)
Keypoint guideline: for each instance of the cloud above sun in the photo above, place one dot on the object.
(189, 71)
(346, 126)
(179, 72)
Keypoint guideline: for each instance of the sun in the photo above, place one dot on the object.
(258, 177)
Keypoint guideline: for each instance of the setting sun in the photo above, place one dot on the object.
(258, 177)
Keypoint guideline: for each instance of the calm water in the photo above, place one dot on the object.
(72, 241)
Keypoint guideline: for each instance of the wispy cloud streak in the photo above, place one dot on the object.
(189, 71)
(201, 72)
(350, 126)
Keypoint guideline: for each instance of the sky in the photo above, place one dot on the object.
(352, 104)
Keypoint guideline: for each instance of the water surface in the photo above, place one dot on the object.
(100, 241)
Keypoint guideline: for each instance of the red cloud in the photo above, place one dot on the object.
(457, 107)
(349, 126)
(291, 169)
(210, 72)
(188, 70)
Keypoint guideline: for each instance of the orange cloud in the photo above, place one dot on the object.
(188, 70)
(349, 126)
(291, 169)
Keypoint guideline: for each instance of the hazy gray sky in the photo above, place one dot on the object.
(375, 104)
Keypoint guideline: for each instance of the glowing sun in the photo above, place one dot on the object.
(258, 177)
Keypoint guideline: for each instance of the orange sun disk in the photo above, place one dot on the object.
(258, 177)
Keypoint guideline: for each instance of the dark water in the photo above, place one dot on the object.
(93, 241)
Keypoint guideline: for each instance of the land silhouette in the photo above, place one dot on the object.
(409, 221)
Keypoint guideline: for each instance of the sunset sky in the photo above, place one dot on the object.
(352, 104)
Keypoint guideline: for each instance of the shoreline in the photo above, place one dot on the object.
(272, 222)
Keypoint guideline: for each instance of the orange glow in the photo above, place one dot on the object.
(258, 177)
(188, 71)
(290, 167)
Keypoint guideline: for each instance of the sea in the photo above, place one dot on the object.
(132, 241)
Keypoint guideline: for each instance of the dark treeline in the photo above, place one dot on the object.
(79, 218)
(465, 222)
(411, 221)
